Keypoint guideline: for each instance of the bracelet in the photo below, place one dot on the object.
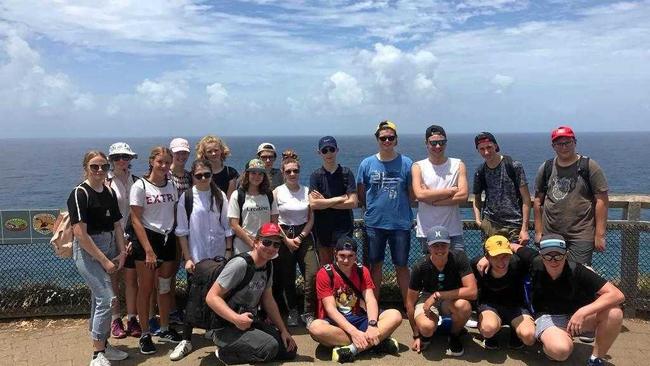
(228, 249)
(302, 236)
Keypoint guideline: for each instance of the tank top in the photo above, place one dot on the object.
(435, 177)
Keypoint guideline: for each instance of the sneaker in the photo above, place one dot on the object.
(100, 360)
(154, 326)
(182, 349)
(292, 319)
(133, 328)
(595, 362)
(114, 354)
(471, 324)
(425, 342)
(169, 336)
(491, 343)
(584, 339)
(455, 347)
(146, 345)
(176, 317)
(117, 329)
(208, 334)
(515, 342)
(307, 318)
(342, 354)
(389, 346)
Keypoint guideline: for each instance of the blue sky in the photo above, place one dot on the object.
(262, 67)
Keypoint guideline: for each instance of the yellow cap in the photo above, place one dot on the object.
(497, 244)
(386, 124)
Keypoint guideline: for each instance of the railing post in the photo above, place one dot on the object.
(630, 258)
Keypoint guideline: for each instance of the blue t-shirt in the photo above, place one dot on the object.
(387, 186)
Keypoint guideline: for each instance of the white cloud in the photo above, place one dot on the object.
(502, 83)
(84, 102)
(161, 94)
(343, 90)
(217, 95)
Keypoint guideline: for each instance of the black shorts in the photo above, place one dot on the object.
(506, 313)
(163, 245)
(130, 261)
(327, 237)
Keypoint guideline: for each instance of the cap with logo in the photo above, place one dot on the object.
(386, 124)
(255, 165)
(485, 137)
(438, 234)
(552, 243)
(121, 148)
(346, 243)
(562, 131)
(266, 146)
(327, 141)
(179, 144)
(270, 230)
(434, 130)
(497, 244)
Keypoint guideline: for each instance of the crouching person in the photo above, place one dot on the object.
(571, 300)
(441, 283)
(243, 336)
(342, 322)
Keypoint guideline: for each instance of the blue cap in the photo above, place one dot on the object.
(552, 243)
(326, 142)
(438, 234)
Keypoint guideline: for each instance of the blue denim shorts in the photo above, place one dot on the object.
(358, 321)
(399, 242)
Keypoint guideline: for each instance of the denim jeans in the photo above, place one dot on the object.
(99, 282)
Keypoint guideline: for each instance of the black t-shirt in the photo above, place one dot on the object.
(577, 286)
(223, 178)
(426, 278)
(509, 289)
(332, 185)
(98, 210)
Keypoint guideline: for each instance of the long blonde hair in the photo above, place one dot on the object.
(209, 139)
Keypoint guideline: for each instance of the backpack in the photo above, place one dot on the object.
(583, 172)
(510, 170)
(241, 197)
(330, 268)
(134, 178)
(198, 313)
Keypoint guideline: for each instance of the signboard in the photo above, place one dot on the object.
(26, 226)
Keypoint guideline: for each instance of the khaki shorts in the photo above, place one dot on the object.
(490, 228)
(440, 308)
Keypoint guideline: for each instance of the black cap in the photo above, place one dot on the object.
(434, 130)
(346, 243)
(483, 136)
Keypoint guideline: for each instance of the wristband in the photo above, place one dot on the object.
(228, 249)
(302, 236)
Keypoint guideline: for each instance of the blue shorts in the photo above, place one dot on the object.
(358, 321)
(399, 242)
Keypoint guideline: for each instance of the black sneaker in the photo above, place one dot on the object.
(169, 336)
(491, 343)
(515, 342)
(455, 347)
(389, 346)
(342, 355)
(146, 345)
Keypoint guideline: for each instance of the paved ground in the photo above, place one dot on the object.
(65, 342)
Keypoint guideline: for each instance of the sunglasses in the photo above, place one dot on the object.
(118, 157)
(292, 171)
(96, 167)
(268, 243)
(327, 150)
(387, 138)
(205, 175)
(267, 157)
(438, 142)
(563, 144)
(554, 258)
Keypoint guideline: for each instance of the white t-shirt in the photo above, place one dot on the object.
(293, 206)
(122, 194)
(207, 230)
(444, 175)
(256, 211)
(157, 202)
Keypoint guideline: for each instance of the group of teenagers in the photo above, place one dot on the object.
(266, 222)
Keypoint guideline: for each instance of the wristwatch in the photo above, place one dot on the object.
(372, 323)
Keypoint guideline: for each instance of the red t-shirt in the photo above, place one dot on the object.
(345, 298)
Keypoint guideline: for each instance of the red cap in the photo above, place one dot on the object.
(562, 131)
(270, 229)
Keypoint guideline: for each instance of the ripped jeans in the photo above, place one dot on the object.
(99, 282)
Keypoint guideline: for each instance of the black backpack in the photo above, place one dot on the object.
(481, 184)
(241, 197)
(197, 312)
(583, 172)
(330, 268)
(189, 203)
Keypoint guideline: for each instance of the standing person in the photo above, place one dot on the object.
(440, 185)
(251, 205)
(203, 234)
(507, 200)
(153, 198)
(98, 249)
(571, 198)
(441, 283)
(243, 336)
(296, 220)
(384, 186)
(572, 300)
(342, 322)
(120, 180)
(215, 150)
(266, 152)
(332, 196)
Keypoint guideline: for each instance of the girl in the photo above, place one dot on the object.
(215, 150)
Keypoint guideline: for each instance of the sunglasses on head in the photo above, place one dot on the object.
(438, 142)
(387, 138)
(553, 257)
(292, 171)
(328, 149)
(96, 167)
(118, 157)
(269, 242)
(205, 175)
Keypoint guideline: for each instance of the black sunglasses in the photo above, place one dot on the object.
(328, 149)
(439, 142)
(205, 175)
(96, 167)
(118, 157)
(268, 243)
(554, 258)
(290, 171)
(563, 143)
(387, 138)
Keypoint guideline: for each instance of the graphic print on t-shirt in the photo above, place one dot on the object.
(561, 186)
(386, 181)
(345, 299)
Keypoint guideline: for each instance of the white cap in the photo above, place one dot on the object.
(265, 146)
(121, 148)
(179, 144)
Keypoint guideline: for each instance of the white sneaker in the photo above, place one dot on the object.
(182, 349)
(114, 354)
(100, 360)
(471, 324)
(292, 319)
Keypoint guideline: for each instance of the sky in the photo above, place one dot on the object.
(97, 68)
